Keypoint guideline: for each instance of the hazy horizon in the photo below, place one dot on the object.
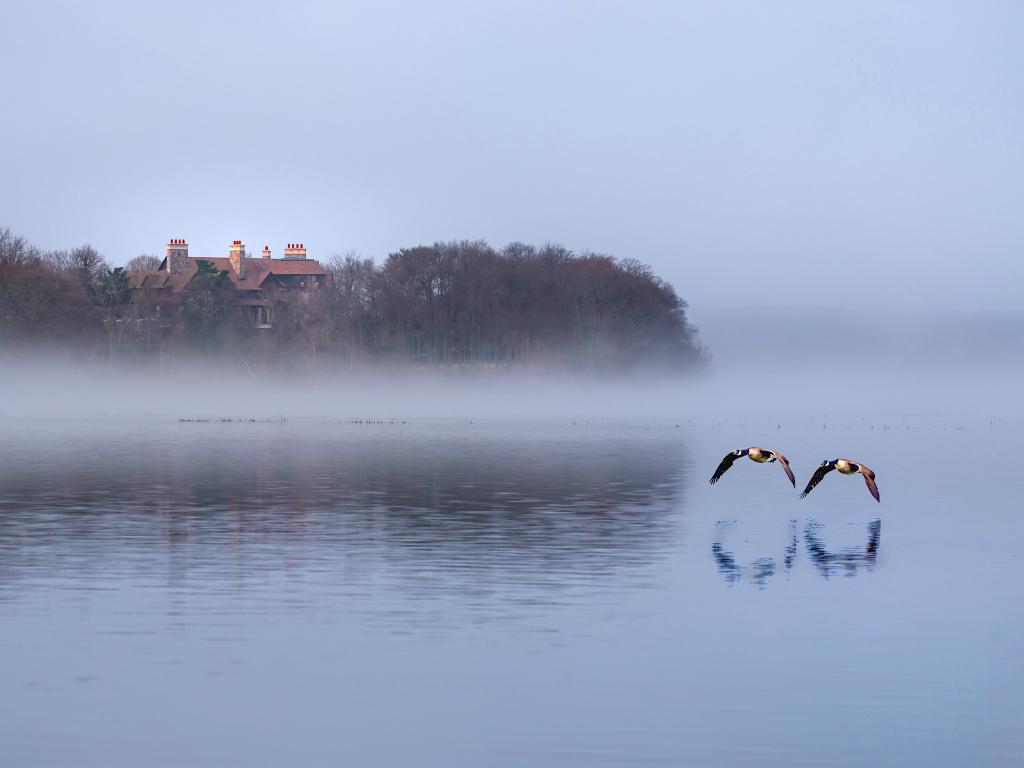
(866, 156)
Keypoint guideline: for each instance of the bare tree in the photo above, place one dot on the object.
(87, 264)
(15, 249)
(113, 295)
(144, 262)
(39, 304)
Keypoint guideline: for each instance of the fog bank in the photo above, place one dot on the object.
(52, 388)
(863, 343)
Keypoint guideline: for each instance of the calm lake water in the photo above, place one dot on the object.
(485, 593)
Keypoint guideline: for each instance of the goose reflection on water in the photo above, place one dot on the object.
(849, 560)
(727, 566)
(762, 569)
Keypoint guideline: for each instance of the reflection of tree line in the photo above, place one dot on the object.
(848, 560)
(504, 504)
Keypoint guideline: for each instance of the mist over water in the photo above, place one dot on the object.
(495, 567)
(864, 342)
(771, 361)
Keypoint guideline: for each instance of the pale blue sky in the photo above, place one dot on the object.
(854, 154)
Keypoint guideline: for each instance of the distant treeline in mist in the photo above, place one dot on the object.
(448, 303)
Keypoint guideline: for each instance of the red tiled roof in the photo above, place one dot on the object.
(290, 266)
(149, 278)
(256, 272)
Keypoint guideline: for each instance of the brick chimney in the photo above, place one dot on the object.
(236, 255)
(295, 251)
(177, 255)
(266, 252)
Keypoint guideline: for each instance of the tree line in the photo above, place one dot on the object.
(449, 303)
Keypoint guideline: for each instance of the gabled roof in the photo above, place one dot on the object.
(152, 278)
(256, 272)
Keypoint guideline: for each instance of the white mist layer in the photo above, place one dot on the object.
(55, 389)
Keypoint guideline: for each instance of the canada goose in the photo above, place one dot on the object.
(846, 467)
(760, 455)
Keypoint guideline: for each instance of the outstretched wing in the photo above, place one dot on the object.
(785, 466)
(819, 473)
(869, 478)
(726, 463)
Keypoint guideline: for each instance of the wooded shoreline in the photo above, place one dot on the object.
(458, 303)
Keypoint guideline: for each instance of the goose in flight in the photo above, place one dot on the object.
(760, 455)
(846, 467)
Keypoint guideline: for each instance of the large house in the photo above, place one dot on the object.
(255, 278)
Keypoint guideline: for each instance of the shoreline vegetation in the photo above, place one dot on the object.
(458, 304)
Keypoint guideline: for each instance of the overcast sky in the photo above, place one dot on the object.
(862, 154)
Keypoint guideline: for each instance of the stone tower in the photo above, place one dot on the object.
(177, 255)
(236, 255)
